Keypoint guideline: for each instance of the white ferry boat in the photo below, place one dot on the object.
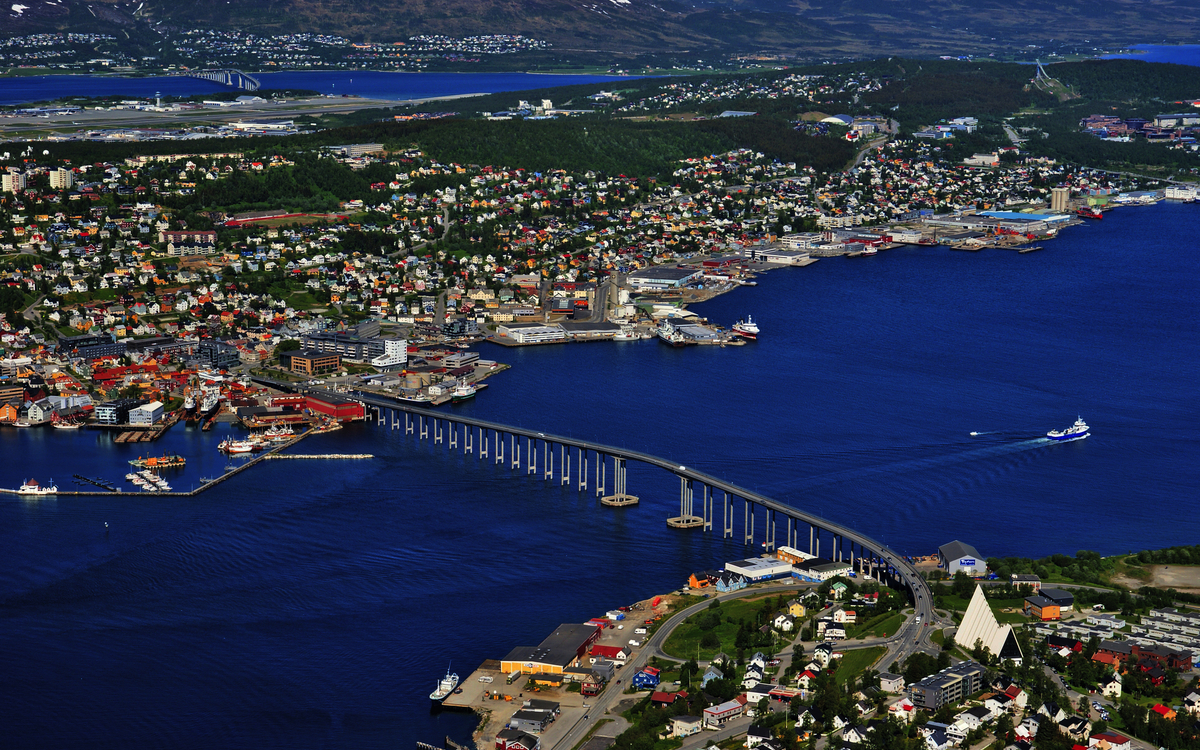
(445, 686)
(464, 392)
(747, 328)
(1077, 431)
(31, 487)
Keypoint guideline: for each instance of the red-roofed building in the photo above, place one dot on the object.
(618, 654)
(1108, 741)
(661, 699)
(1166, 712)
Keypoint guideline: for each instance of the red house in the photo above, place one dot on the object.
(342, 411)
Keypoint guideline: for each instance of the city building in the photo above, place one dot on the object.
(660, 278)
(146, 414)
(62, 178)
(12, 182)
(217, 355)
(310, 363)
(115, 412)
(949, 686)
(818, 569)
(1041, 608)
(395, 354)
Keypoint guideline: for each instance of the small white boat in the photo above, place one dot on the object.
(65, 425)
(21, 423)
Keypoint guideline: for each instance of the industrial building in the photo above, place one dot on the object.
(340, 409)
(533, 334)
(949, 686)
(960, 556)
(818, 569)
(561, 649)
(1041, 608)
(661, 278)
(760, 568)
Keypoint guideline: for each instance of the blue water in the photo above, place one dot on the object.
(369, 84)
(314, 605)
(1180, 54)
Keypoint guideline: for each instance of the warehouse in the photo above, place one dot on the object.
(957, 556)
(146, 414)
(340, 409)
(533, 334)
(561, 649)
(818, 569)
(760, 568)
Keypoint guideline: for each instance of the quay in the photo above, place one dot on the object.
(318, 456)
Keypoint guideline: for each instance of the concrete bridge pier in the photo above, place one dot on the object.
(437, 431)
(408, 423)
(748, 523)
(483, 443)
(499, 447)
(424, 428)
(619, 497)
(514, 446)
(601, 466)
(687, 519)
(708, 507)
(564, 465)
(726, 517)
(453, 429)
(394, 419)
(468, 440)
(531, 449)
(547, 461)
(583, 470)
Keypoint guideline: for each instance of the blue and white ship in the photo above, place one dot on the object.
(1077, 431)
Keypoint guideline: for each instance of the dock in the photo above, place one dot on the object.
(272, 453)
(319, 456)
(149, 434)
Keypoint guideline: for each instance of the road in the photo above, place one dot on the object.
(653, 647)
(30, 313)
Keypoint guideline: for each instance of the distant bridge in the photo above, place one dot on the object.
(232, 78)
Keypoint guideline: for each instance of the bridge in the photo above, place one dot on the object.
(489, 440)
(228, 77)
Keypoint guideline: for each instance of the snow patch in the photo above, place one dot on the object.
(19, 9)
(619, 2)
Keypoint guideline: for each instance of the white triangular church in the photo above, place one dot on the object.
(979, 624)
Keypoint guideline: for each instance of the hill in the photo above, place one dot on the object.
(805, 28)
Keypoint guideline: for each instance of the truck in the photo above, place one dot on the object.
(513, 677)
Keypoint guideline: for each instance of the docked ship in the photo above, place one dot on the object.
(189, 406)
(445, 686)
(747, 328)
(31, 487)
(464, 392)
(66, 424)
(1077, 431)
(627, 333)
(669, 334)
(159, 462)
(210, 402)
(238, 446)
(1090, 213)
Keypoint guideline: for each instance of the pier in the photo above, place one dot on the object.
(319, 456)
(570, 461)
(272, 453)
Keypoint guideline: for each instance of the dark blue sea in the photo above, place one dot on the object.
(368, 84)
(314, 605)
(1180, 54)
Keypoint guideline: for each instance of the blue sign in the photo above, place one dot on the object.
(966, 562)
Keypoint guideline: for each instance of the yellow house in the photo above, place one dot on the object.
(795, 608)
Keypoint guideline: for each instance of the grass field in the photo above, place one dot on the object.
(684, 642)
(878, 627)
(856, 662)
(938, 637)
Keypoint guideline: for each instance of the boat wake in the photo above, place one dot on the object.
(909, 465)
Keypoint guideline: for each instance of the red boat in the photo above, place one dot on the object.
(1090, 213)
